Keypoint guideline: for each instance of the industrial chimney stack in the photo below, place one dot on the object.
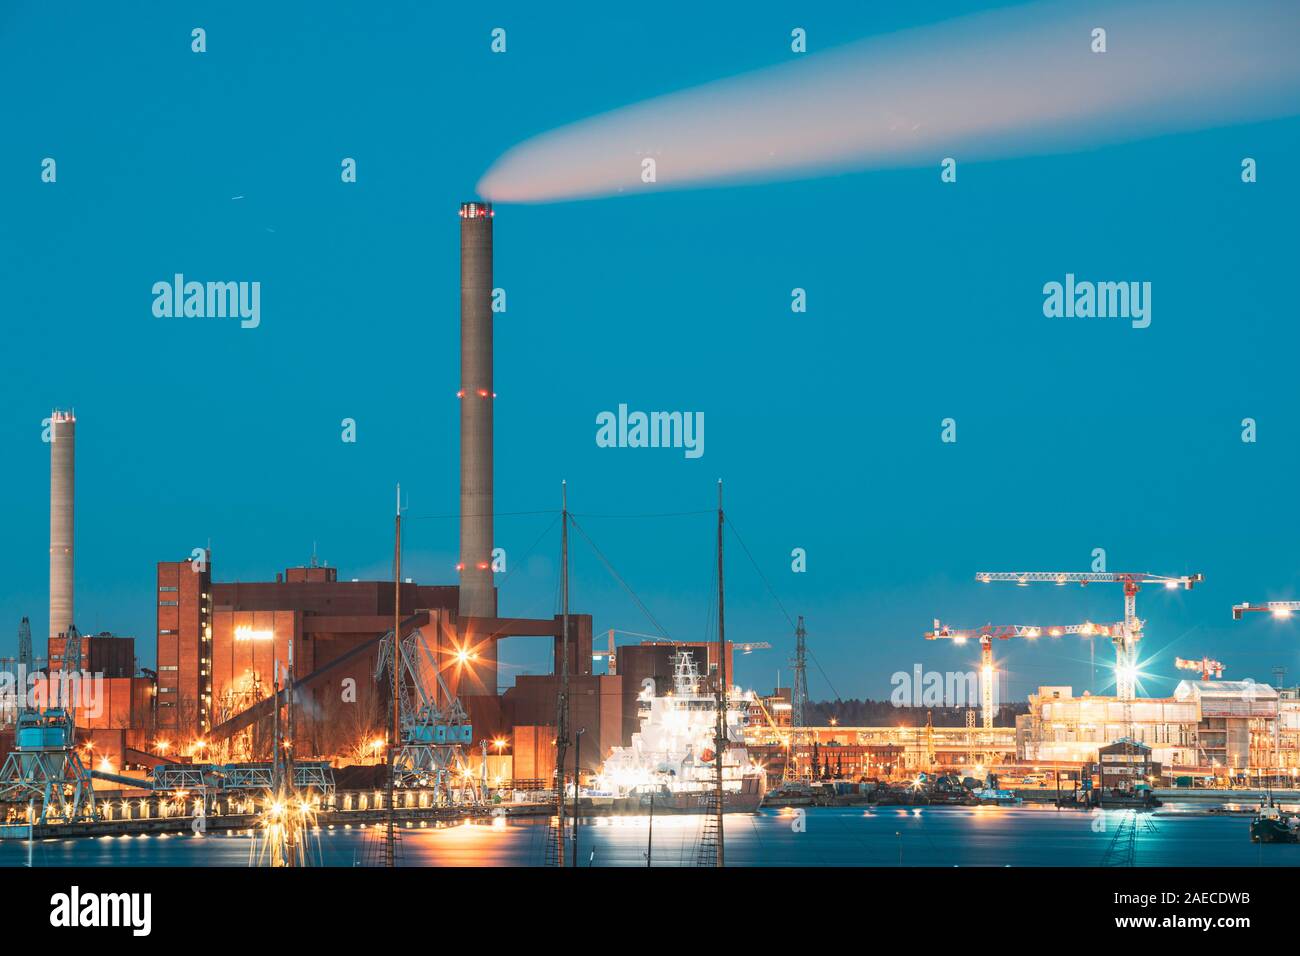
(477, 598)
(63, 447)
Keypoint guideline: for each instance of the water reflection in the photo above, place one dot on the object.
(888, 836)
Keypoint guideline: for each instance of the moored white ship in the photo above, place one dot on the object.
(671, 761)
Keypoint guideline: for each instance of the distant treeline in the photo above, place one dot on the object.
(882, 713)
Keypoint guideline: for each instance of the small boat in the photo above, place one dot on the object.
(1270, 826)
(991, 796)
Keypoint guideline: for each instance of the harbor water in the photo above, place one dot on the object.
(819, 836)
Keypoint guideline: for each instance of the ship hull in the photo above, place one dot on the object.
(745, 800)
(1271, 831)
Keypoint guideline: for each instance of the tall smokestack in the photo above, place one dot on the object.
(477, 598)
(63, 448)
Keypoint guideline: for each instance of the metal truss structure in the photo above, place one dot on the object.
(307, 774)
(179, 776)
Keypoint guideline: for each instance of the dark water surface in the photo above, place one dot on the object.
(887, 836)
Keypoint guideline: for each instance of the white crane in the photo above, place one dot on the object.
(1127, 637)
(990, 632)
(1279, 609)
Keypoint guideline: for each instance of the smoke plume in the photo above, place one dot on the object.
(1006, 83)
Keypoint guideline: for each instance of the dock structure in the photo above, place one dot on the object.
(194, 814)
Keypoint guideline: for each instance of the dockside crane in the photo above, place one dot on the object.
(44, 768)
(1128, 636)
(1210, 669)
(987, 634)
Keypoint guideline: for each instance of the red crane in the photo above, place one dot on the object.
(1208, 668)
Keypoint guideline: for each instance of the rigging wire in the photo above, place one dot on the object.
(610, 568)
(495, 514)
(770, 590)
(555, 511)
(662, 514)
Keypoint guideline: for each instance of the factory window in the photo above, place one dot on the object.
(167, 667)
(167, 589)
(167, 631)
(167, 604)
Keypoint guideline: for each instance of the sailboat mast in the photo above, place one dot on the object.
(562, 701)
(288, 693)
(721, 690)
(395, 666)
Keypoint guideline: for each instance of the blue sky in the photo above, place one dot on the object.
(925, 302)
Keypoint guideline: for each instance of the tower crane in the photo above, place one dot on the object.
(1279, 609)
(611, 657)
(987, 634)
(1127, 637)
(1208, 668)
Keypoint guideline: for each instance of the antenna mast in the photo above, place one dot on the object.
(799, 693)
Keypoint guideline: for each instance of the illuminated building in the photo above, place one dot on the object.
(1062, 728)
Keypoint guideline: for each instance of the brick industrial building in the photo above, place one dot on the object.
(221, 645)
(219, 642)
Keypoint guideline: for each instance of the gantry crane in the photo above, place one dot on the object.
(1127, 637)
(1280, 609)
(1208, 668)
(987, 634)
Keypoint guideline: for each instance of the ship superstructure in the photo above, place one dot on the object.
(674, 747)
